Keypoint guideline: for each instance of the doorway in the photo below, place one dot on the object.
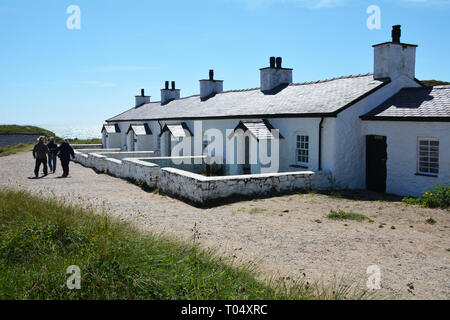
(376, 157)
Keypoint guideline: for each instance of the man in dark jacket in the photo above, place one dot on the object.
(53, 150)
(65, 152)
(40, 152)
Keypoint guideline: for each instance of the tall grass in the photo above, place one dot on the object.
(40, 238)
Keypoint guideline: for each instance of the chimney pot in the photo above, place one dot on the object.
(167, 85)
(396, 33)
(173, 85)
(211, 75)
(278, 62)
(142, 93)
(272, 62)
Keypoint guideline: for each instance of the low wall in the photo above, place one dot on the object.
(87, 146)
(7, 139)
(172, 178)
(201, 189)
(125, 154)
(182, 163)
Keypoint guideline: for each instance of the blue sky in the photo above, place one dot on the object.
(50, 74)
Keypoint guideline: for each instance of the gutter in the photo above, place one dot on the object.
(320, 143)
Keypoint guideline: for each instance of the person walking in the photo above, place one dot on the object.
(40, 152)
(53, 151)
(65, 152)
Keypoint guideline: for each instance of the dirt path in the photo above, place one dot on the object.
(280, 234)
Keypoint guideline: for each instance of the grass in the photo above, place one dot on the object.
(25, 129)
(13, 149)
(256, 210)
(40, 238)
(431, 221)
(434, 82)
(9, 150)
(342, 215)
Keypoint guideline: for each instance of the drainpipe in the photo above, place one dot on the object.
(320, 144)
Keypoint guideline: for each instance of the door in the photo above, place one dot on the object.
(247, 168)
(376, 157)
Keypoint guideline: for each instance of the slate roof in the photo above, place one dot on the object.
(140, 129)
(177, 130)
(261, 129)
(426, 103)
(325, 97)
(112, 128)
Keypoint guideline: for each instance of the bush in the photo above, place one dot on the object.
(437, 196)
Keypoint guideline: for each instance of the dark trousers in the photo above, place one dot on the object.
(65, 166)
(38, 165)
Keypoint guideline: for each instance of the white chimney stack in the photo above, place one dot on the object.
(275, 75)
(168, 95)
(210, 87)
(394, 59)
(142, 99)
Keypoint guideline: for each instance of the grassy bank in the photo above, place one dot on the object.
(41, 238)
(9, 150)
(12, 128)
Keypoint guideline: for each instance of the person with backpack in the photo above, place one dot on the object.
(40, 152)
(65, 152)
(53, 151)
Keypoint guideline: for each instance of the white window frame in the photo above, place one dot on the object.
(303, 147)
(428, 156)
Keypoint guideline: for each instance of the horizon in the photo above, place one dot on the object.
(118, 50)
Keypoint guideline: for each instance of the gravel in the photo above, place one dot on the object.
(288, 236)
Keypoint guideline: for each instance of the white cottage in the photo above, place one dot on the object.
(383, 131)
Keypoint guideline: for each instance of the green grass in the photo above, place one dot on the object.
(40, 238)
(25, 129)
(9, 150)
(257, 210)
(342, 215)
(13, 149)
(431, 221)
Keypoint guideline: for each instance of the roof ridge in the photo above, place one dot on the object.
(333, 79)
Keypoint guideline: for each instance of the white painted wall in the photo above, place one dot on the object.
(348, 158)
(402, 153)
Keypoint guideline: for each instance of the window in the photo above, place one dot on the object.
(428, 156)
(302, 150)
(158, 142)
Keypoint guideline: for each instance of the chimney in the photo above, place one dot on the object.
(275, 75)
(394, 59)
(209, 87)
(142, 99)
(168, 95)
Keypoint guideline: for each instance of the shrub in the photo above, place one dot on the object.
(437, 196)
(342, 215)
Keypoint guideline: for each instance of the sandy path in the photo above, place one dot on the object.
(279, 234)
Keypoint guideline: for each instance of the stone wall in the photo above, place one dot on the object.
(201, 189)
(164, 173)
(7, 139)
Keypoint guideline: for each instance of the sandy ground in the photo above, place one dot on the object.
(281, 234)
